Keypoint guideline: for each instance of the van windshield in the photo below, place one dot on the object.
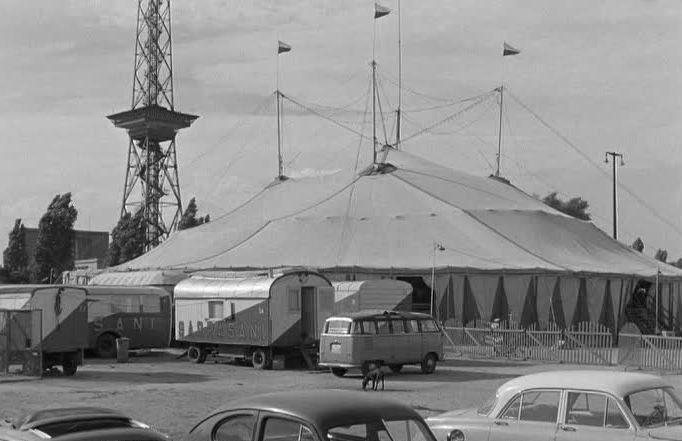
(341, 327)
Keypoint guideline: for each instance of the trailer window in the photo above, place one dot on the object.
(150, 303)
(340, 327)
(215, 309)
(294, 299)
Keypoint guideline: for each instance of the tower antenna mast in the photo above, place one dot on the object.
(152, 124)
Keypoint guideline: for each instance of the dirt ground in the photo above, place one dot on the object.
(171, 394)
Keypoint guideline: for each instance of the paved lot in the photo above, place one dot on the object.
(172, 394)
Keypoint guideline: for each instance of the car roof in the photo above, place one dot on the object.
(325, 408)
(617, 383)
(380, 313)
(47, 416)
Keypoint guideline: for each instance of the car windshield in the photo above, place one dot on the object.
(654, 407)
(487, 406)
(386, 430)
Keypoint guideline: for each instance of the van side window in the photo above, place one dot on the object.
(412, 326)
(429, 325)
(398, 326)
(383, 326)
(369, 327)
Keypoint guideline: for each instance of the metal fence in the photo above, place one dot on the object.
(20, 342)
(585, 343)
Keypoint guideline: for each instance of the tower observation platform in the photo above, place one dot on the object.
(152, 125)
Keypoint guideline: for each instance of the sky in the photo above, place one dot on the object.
(591, 77)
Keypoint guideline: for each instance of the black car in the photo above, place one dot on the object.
(78, 424)
(322, 415)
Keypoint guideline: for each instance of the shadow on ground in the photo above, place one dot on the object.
(161, 377)
(451, 376)
(467, 362)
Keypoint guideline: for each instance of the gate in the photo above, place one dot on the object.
(20, 342)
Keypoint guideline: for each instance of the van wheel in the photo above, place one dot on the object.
(429, 363)
(195, 354)
(395, 368)
(106, 346)
(260, 359)
(339, 372)
(69, 366)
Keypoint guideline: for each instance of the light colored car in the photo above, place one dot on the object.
(567, 406)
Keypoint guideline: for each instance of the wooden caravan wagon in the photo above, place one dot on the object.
(254, 317)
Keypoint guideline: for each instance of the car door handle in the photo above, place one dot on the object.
(501, 423)
(568, 428)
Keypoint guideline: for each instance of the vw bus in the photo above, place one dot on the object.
(392, 338)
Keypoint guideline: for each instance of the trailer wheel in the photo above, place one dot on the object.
(106, 346)
(260, 359)
(339, 372)
(195, 354)
(69, 366)
(429, 363)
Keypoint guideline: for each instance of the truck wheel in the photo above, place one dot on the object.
(106, 346)
(69, 366)
(260, 359)
(196, 354)
(429, 363)
(339, 372)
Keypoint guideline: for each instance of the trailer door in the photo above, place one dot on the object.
(308, 316)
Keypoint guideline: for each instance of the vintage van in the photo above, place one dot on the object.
(392, 338)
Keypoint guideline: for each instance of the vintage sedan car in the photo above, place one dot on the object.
(567, 406)
(321, 415)
(78, 424)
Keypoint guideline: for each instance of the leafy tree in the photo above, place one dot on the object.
(576, 207)
(127, 239)
(189, 218)
(677, 263)
(638, 245)
(15, 257)
(54, 248)
(661, 255)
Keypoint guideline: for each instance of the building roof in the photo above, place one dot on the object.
(326, 408)
(389, 219)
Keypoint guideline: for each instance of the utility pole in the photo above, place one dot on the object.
(613, 156)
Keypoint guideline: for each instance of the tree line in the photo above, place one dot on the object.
(54, 250)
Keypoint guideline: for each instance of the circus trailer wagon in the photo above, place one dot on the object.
(373, 294)
(254, 317)
(42, 327)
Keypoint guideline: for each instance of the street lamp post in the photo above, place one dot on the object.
(436, 247)
(614, 155)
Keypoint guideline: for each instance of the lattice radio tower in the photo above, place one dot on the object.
(152, 124)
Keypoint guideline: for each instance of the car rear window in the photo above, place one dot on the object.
(64, 427)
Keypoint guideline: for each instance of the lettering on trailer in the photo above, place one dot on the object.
(225, 329)
(138, 323)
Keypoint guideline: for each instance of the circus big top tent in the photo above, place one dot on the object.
(504, 252)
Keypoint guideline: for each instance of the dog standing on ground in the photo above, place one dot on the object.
(375, 374)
